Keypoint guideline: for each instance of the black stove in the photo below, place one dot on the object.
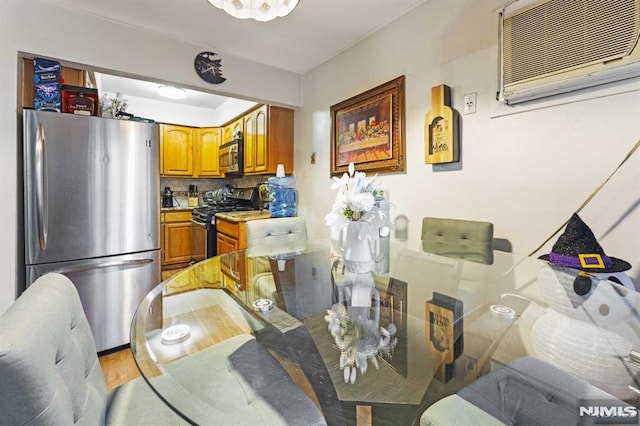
(204, 214)
(221, 201)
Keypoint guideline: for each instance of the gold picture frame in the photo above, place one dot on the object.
(368, 130)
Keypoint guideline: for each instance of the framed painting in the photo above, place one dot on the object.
(368, 130)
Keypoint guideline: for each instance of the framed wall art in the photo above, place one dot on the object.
(368, 130)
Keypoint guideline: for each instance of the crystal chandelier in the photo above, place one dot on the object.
(260, 10)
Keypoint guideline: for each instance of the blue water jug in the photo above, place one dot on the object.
(282, 194)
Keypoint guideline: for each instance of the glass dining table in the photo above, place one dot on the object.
(236, 338)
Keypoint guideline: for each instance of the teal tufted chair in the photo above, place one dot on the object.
(462, 239)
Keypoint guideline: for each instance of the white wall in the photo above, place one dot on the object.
(36, 27)
(524, 172)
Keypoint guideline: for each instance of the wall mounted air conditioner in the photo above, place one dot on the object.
(557, 46)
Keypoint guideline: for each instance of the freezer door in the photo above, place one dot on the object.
(92, 187)
(110, 289)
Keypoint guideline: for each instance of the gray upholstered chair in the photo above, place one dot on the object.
(527, 391)
(463, 239)
(49, 369)
(276, 236)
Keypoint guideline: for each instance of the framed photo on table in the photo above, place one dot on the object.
(393, 309)
(368, 130)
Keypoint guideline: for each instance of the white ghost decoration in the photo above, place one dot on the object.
(586, 330)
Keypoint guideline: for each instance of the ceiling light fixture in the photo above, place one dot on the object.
(260, 10)
(172, 92)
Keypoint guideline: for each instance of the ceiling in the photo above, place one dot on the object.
(314, 32)
(149, 90)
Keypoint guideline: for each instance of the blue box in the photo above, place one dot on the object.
(46, 80)
(47, 97)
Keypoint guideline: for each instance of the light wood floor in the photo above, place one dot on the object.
(222, 319)
(118, 368)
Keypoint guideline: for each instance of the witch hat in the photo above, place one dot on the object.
(578, 248)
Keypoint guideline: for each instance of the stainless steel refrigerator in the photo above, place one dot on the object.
(91, 205)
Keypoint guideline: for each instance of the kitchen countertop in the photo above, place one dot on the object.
(244, 216)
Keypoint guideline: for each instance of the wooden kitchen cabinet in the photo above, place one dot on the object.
(268, 140)
(225, 243)
(231, 236)
(176, 237)
(188, 151)
(176, 150)
(162, 244)
(229, 130)
(205, 157)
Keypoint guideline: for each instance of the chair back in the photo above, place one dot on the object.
(49, 369)
(462, 239)
(276, 236)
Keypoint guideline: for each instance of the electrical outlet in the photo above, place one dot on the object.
(469, 103)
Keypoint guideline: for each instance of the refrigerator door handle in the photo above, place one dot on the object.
(84, 268)
(41, 187)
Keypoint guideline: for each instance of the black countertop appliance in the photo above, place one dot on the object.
(167, 197)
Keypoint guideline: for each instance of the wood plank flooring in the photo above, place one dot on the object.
(218, 318)
(118, 368)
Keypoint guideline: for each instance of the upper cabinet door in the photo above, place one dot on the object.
(206, 152)
(229, 130)
(260, 152)
(268, 140)
(176, 144)
(249, 143)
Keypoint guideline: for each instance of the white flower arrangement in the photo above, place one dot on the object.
(111, 107)
(358, 199)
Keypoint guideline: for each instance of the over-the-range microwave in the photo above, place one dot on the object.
(231, 160)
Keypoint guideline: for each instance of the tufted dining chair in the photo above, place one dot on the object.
(49, 369)
(469, 240)
(276, 236)
(462, 239)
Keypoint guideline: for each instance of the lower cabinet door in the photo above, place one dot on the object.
(226, 244)
(177, 239)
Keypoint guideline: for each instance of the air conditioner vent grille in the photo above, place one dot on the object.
(561, 34)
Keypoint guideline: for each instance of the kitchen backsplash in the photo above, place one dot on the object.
(180, 186)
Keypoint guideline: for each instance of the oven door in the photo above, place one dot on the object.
(203, 238)
(198, 240)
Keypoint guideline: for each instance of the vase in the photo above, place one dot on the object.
(359, 245)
